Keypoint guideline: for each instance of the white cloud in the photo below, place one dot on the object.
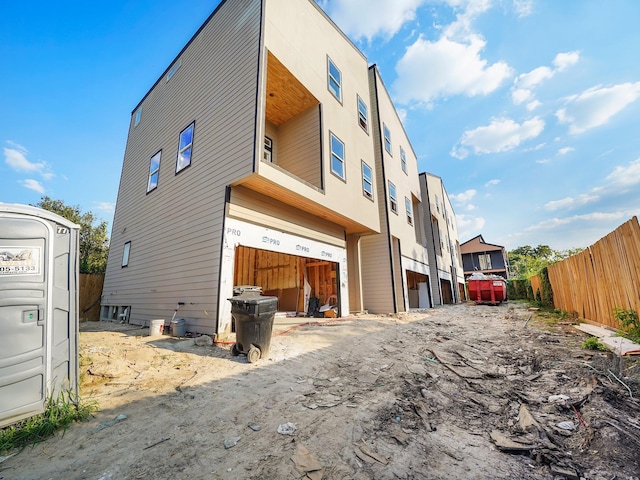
(107, 207)
(531, 106)
(565, 150)
(470, 207)
(370, 18)
(542, 161)
(521, 95)
(534, 77)
(32, 185)
(623, 177)
(564, 60)
(571, 202)
(596, 106)
(490, 183)
(589, 217)
(525, 83)
(451, 64)
(501, 135)
(16, 158)
(430, 70)
(523, 7)
(469, 226)
(463, 197)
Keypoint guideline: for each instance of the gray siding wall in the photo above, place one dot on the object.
(299, 146)
(375, 253)
(175, 231)
(430, 242)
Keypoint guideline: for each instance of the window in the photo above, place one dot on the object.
(367, 181)
(137, 117)
(437, 204)
(154, 171)
(485, 261)
(174, 69)
(403, 160)
(392, 198)
(407, 206)
(184, 148)
(337, 157)
(125, 254)
(268, 149)
(363, 118)
(335, 80)
(387, 139)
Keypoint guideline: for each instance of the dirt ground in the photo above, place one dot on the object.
(459, 392)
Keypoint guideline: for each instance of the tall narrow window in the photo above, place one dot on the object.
(185, 148)
(367, 181)
(174, 69)
(334, 80)
(125, 254)
(154, 171)
(363, 118)
(409, 209)
(138, 116)
(403, 160)
(268, 149)
(392, 198)
(387, 138)
(337, 157)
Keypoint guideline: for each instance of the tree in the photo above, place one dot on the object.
(94, 242)
(527, 261)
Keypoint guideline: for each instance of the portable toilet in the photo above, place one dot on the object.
(38, 309)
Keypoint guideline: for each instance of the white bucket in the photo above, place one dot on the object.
(156, 327)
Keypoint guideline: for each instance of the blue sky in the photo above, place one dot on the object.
(528, 109)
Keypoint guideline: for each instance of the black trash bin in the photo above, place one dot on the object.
(253, 314)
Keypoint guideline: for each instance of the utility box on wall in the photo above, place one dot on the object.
(38, 309)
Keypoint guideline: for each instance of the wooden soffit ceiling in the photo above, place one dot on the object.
(286, 96)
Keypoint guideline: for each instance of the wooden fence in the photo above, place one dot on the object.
(536, 287)
(89, 296)
(600, 278)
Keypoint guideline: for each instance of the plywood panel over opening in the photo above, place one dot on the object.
(283, 275)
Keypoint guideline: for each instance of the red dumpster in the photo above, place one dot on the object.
(487, 289)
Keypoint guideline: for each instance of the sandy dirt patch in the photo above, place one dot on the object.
(458, 392)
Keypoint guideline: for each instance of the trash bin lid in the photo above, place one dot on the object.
(240, 289)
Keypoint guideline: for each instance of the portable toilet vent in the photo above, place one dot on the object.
(38, 309)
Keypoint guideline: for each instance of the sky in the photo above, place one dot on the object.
(529, 110)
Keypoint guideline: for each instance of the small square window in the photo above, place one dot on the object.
(337, 157)
(125, 254)
(185, 147)
(367, 181)
(138, 117)
(392, 198)
(334, 80)
(363, 118)
(154, 171)
(409, 209)
(403, 160)
(387, 138)
(268, 149)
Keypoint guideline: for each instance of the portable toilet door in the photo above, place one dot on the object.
(38, 309)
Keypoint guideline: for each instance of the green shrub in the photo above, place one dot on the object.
(592, 343)
(628, 318)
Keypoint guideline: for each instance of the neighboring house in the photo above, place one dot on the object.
(260, 157)
(480, 256)
(445, 261)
